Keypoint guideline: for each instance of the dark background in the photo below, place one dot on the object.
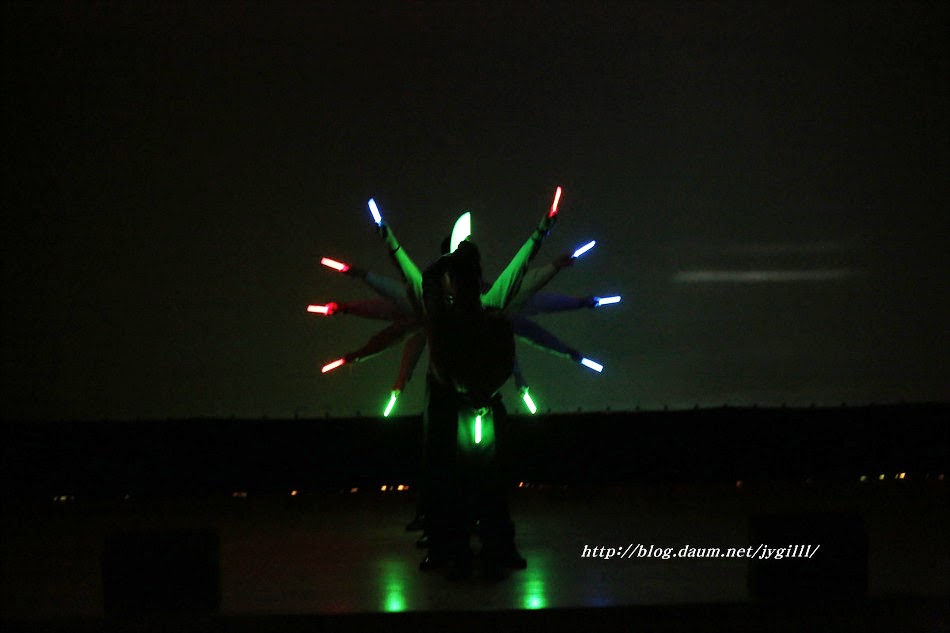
(767, 183)
(904, 445)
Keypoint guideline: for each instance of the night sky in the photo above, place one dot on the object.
(767, 183)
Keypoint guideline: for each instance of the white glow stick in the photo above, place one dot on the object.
(461, 230)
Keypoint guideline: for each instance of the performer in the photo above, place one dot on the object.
(471, 345)
(470, 330)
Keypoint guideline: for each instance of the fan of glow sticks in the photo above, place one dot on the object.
(406, 323)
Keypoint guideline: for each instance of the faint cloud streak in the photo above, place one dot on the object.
(763, 276)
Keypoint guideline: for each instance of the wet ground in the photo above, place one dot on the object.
(342, 553)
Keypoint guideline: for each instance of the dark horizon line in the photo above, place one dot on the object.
(921, 404)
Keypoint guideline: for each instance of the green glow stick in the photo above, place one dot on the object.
(529, 402)
(391, 405)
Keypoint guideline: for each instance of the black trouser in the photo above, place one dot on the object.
(460, 486)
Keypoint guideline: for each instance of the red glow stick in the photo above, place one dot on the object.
(327, 310)
(335, 265)
(557, 197)
(333, 365)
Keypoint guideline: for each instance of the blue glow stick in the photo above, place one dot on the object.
(589, 363)
(375, 211)
(583, 249)
(606, 301)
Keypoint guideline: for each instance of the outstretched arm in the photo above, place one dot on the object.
(382, 341)
(410, 358)
(379, 309)
(531, 332)
(408, 269)
(516, 372)
(537, 278)
(547, 302)
(384, 286)
(508, 283)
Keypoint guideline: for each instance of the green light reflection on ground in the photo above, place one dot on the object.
(393, 586)
(534, 586)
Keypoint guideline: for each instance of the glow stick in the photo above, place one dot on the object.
(478, 429)
(529, 402)
(606, 301)
(392, 403)
(326, 310)
(375, 211)
(589, 363)
(333, 365)
(557, 197)
(335, 265)
(461, 230)
(583, 249)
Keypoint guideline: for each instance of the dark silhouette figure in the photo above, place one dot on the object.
(471, 356)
